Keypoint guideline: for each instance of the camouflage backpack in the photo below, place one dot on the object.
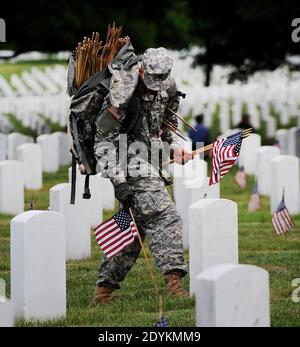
(86, 104)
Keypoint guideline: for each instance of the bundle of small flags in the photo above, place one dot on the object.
(241, 178)
(224, 155)
(281, 220)
(254, 203)
(116, 233)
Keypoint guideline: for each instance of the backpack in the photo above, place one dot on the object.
(85, 107)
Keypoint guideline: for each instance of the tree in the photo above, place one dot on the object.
(250, 35)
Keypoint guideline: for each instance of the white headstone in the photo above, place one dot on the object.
(6, 313)
(285, 176)
(196, 168)
(213, 235)
(270, 127)
(11, 187)
(38, 265)
(247, 157)
(103, 191)
(64, 152)
(13, 141)
(298, 142)
(194, 190)
(78, 233)
(97, 195)
(292, 133)
(30, 154)
(108, 197)
(3, 147)
(263, 170)
(282, 136)
(229, 295)
(50, 152)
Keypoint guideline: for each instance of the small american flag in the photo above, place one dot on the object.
(225, 153)
(254, 203)
(282, 221)
(116, 233)
(241, 178)
(277, 144)
(162, 323)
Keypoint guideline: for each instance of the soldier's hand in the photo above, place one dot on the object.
(124, 194)
(182, 156)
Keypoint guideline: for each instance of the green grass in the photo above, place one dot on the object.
(135, 304)
(8, 69)
(19, 126)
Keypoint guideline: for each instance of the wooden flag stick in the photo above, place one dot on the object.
(157, 291)
(183, 120)
(245, 133)
(171, 125)
(174, 131)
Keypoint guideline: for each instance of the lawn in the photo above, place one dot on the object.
(136, 304)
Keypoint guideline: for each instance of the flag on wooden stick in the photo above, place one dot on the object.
(281, 220)
(241, 178)
(224, 155)
(254, 203)
(116, 233)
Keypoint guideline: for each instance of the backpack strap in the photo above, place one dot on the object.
(73, 180)
(133, 62)
(87, 193)
(79, 149)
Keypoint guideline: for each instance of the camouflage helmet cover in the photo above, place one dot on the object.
(157, 64)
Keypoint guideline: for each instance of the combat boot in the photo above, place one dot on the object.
(102, 295)
(174, 285)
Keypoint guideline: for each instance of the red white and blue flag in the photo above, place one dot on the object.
(241, 178)
(281, 220)
(116, 233)
(254, 203)
(224, 155)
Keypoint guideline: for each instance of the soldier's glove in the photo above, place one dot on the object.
(124, 194)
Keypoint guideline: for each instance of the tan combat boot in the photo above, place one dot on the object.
(102, 295)
(174, 285)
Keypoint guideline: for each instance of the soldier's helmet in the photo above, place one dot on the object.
(157, 64)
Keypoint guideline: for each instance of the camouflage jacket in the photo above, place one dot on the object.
(140, 121)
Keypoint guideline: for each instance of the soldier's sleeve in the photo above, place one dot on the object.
(108, 125)
(173, 104)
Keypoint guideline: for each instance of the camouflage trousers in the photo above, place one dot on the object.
(158, 221)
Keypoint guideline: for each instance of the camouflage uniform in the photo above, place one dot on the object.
(154, 211)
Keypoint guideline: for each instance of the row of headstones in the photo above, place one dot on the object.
(227, 294)
(35, 82)
(276, 168)
(13, 175)
(275, 174)
(46, 155)
(53, 107)
(53, 237)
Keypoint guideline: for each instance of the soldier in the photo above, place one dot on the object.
(154, 211)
